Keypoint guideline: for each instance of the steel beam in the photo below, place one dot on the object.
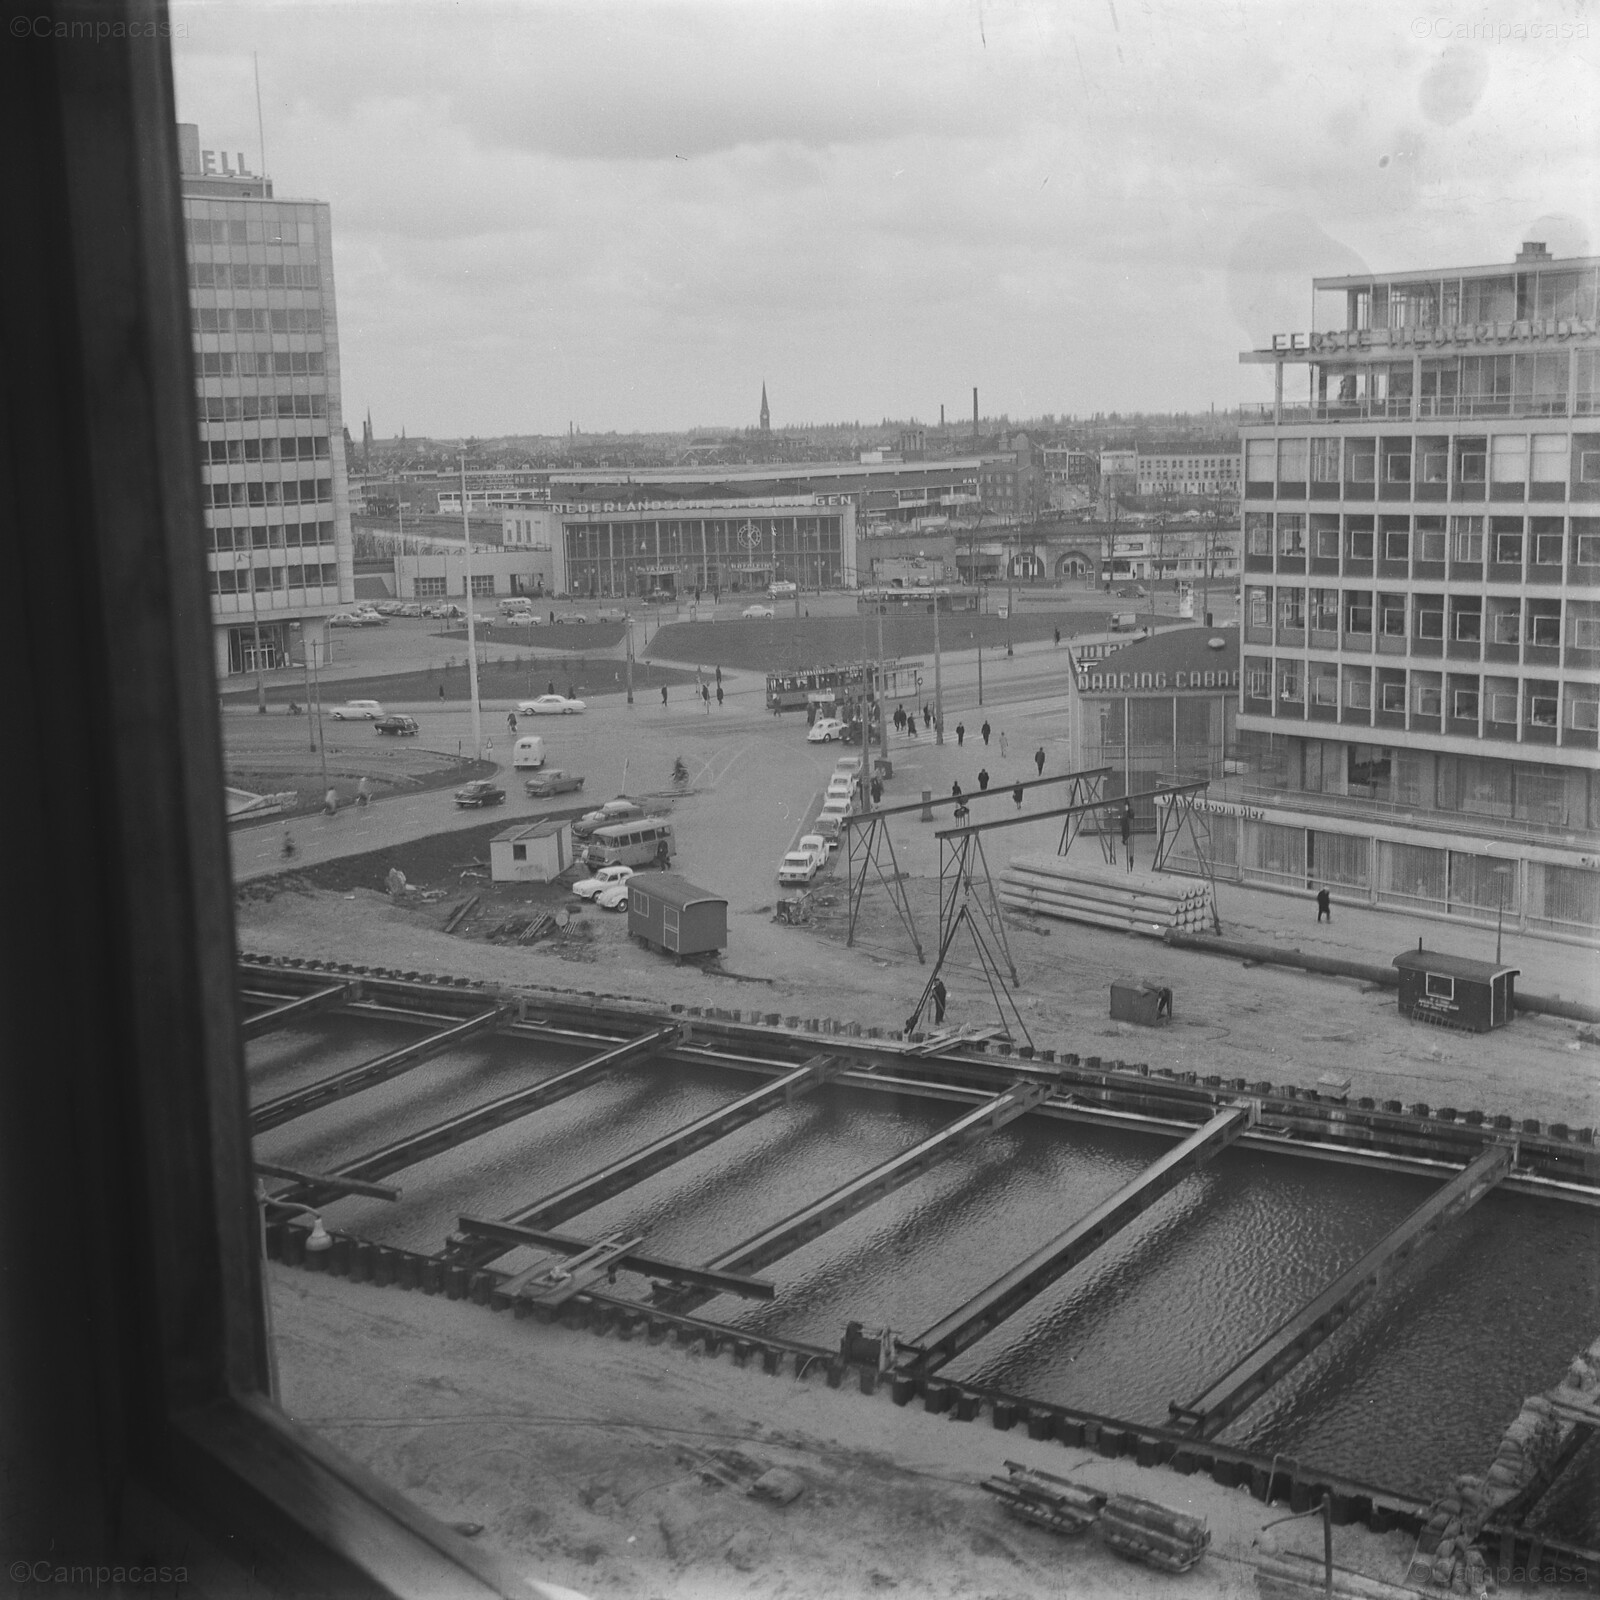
(289, 1010)
(589, 1192)
(286, 1107)
(1293, 1340)
(324, 1182)
(470, 1124)
(709, 1279)
(1008, 1294)
(806, 1224)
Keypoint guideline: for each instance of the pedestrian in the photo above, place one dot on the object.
(877, 790)
(552, 688)
(511, 723)
(719, 674)
(899, 719)
(940, 996)
(1127, 834)
(1016, 794)
(911, 727)
(330, 801)
(705, 694)
(1058, 638)
(364, 791)
(441, 686)
(961, 734)
(955, 790)
(984, 730)
(288, 845)
(552, 616)
(1324, 906)
(1038, 760)
(663, 694)
(1002, 744)
(927, 716)
(572, 690)
(719, 696)
(983, 779)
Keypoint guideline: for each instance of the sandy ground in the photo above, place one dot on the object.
(1261, 1023)
(619, 1469)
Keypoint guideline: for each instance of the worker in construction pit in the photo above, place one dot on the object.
(939, 995)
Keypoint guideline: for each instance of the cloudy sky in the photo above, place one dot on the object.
(628, 215)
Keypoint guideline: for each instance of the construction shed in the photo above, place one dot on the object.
(531, 852)
(669, 913)
(1456, 991)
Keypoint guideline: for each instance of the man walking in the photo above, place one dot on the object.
(983, 779)
(1127, 834)
(1324, 906)
(1038, 760)
(719, 691)
(1058, 638)
(927, 716)
(940, 995)
(877, 791)
(511, 723)
(364, 791)
(705, 695)
(1016, 794)
(984, 730)
(961, 734)
(663, 694)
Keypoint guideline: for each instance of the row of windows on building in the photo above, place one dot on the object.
(1454, 301)
(1536, 383)
(1511, 466)
(272, 535)
(744, 537)
(309, 575)
(290, 492)
(483, 587)
(1540, 547)
(262, 407)
(253, 275)
(258, 364)
(1349, 619)
(270, 447)
(1428, 702)
(276, 226)
(255, 319)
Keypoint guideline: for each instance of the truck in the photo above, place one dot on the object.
(1124, 621)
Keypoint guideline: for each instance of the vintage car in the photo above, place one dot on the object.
(552, 781)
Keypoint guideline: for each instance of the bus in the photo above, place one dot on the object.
(646, 841)
(794, 691)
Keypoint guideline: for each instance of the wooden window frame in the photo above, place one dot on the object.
(134, 1377)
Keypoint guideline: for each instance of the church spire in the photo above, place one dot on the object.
(766, 416)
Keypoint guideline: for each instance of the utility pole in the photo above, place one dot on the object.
(306, 648)
(255, 617)
(629, 630)
(320, 741)
(883, 721)
(472, 638)
(1011, 560)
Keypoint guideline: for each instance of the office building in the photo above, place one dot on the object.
(266, 356)
(1421, 599)
(1193, 472)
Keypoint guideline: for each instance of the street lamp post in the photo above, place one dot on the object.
(629, 627)
(472, 638)
(1502, 873)
(938, 676)
(255, 618)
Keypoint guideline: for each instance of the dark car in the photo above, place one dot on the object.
(480, 793)
(1132, 591)
(551, 781)
(400, 725)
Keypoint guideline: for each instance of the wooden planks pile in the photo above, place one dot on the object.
(1107, 897)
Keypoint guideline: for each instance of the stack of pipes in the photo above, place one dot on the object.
(1107, 897)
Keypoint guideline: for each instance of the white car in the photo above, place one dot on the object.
(549, 705)
(344, 619)
(819, 847)
(798, 866)
(613, 899)
(825, 730)
(758, 611)
(605, 878)
(357, 711)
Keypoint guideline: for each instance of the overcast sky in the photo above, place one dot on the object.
(627, 216)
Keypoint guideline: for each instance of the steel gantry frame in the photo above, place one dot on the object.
(874, 825)
(1181, 811)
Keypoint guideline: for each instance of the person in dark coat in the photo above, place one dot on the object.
(1127, 834)
(1038, 760)
(719, 694)
(927, 716)
(940, 995)
(984, 730)
(1058, 638)
(961, 734)
(877, 791)
(1324, 906)
(663, 694)
(983, 778)
(719, 674)
(1016, 794)
(955, 790)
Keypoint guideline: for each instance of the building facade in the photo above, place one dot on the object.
(673, 548)
(1420, 702)
(1189, 472)
(266, 355)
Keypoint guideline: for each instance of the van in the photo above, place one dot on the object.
(528, 752)
(643, 842)
(1124, 621)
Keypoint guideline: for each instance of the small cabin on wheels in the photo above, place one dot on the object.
(669, 913)
(1456, 991)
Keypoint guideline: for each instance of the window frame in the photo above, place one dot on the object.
(170, 1443)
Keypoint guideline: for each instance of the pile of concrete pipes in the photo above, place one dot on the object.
(1107, 897)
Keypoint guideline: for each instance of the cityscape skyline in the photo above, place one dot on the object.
(627, 215)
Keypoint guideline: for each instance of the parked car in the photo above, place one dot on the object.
(758, 611)
(388, 608)
(613, 899)
(1131, 591)
(409, 609)
(611, 811)
(825, 730)
(549, 705)
(480, 792)
(552, 781)
(841, 786)
(819, 847)
(357, 711)
(344, 619)
(798, 866)
(575, 616)
(781, 589)
(605, 878)
(366, 617)
(405, 727)
(609, 614)
(830, 819)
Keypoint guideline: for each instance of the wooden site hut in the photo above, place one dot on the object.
(669, 913)
(1456, 991)
(531, 852)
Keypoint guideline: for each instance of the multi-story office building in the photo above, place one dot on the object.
(266, 357)
(1189, 472)
(1420, 706)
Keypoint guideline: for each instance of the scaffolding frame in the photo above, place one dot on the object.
(1184, 810)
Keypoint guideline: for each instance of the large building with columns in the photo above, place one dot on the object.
(1419, 708)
